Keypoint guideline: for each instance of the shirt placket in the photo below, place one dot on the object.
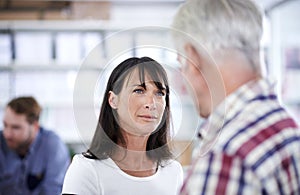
(22, 177)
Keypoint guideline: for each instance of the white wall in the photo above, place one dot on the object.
(285, 33)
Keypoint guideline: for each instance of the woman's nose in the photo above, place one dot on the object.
(150, 102)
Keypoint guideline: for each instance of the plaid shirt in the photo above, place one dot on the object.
(249, 145)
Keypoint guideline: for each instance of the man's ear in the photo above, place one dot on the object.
(112, 100)
(36, 125)
(193, 56)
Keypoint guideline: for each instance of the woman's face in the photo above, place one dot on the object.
(139, 107)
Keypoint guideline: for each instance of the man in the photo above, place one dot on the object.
(32, 159)
(249, 143)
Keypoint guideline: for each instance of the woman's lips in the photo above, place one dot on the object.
(148, 117)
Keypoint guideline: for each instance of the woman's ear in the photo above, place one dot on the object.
(112, 100)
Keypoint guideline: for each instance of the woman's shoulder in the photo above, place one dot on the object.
(79, 160)
(88, 161)
(172, 170)
(171, 164)
(85, 157)
(82, 160)
(82, 176)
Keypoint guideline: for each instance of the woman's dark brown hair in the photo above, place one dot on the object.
(108, 133)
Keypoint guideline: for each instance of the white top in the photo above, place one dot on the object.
(89, 176)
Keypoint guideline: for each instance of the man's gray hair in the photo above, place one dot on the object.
(221, 24)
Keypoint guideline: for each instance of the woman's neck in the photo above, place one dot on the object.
(133, 159)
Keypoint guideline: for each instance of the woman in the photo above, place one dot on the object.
(129, 153)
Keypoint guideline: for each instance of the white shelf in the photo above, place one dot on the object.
(48, 67)
(75, 25)
(50, 25)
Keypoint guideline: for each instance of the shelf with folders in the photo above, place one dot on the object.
(44, 47)
(65, 45)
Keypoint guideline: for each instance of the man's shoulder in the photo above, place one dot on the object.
(256, 136)
(49, 134)
(49, 137)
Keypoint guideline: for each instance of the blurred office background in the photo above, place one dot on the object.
(61, 52)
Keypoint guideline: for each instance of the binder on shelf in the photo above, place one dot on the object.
(5, 50)
(33, 48)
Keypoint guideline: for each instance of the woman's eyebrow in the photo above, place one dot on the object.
(143, 85)
(161, 87)
(139, 85)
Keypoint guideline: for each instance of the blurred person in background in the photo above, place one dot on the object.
(130, 153)
(33, 160)
(249, 142)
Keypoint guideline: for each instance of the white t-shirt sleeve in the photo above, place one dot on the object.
(172, 172)
(179, 175)
(81, 177)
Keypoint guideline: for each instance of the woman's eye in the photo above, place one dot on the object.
(160, 93)
(139, 91)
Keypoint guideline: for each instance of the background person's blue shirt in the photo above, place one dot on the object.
(41, 171)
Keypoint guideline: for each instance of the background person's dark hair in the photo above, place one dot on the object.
(28, 106)
(108, 132)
